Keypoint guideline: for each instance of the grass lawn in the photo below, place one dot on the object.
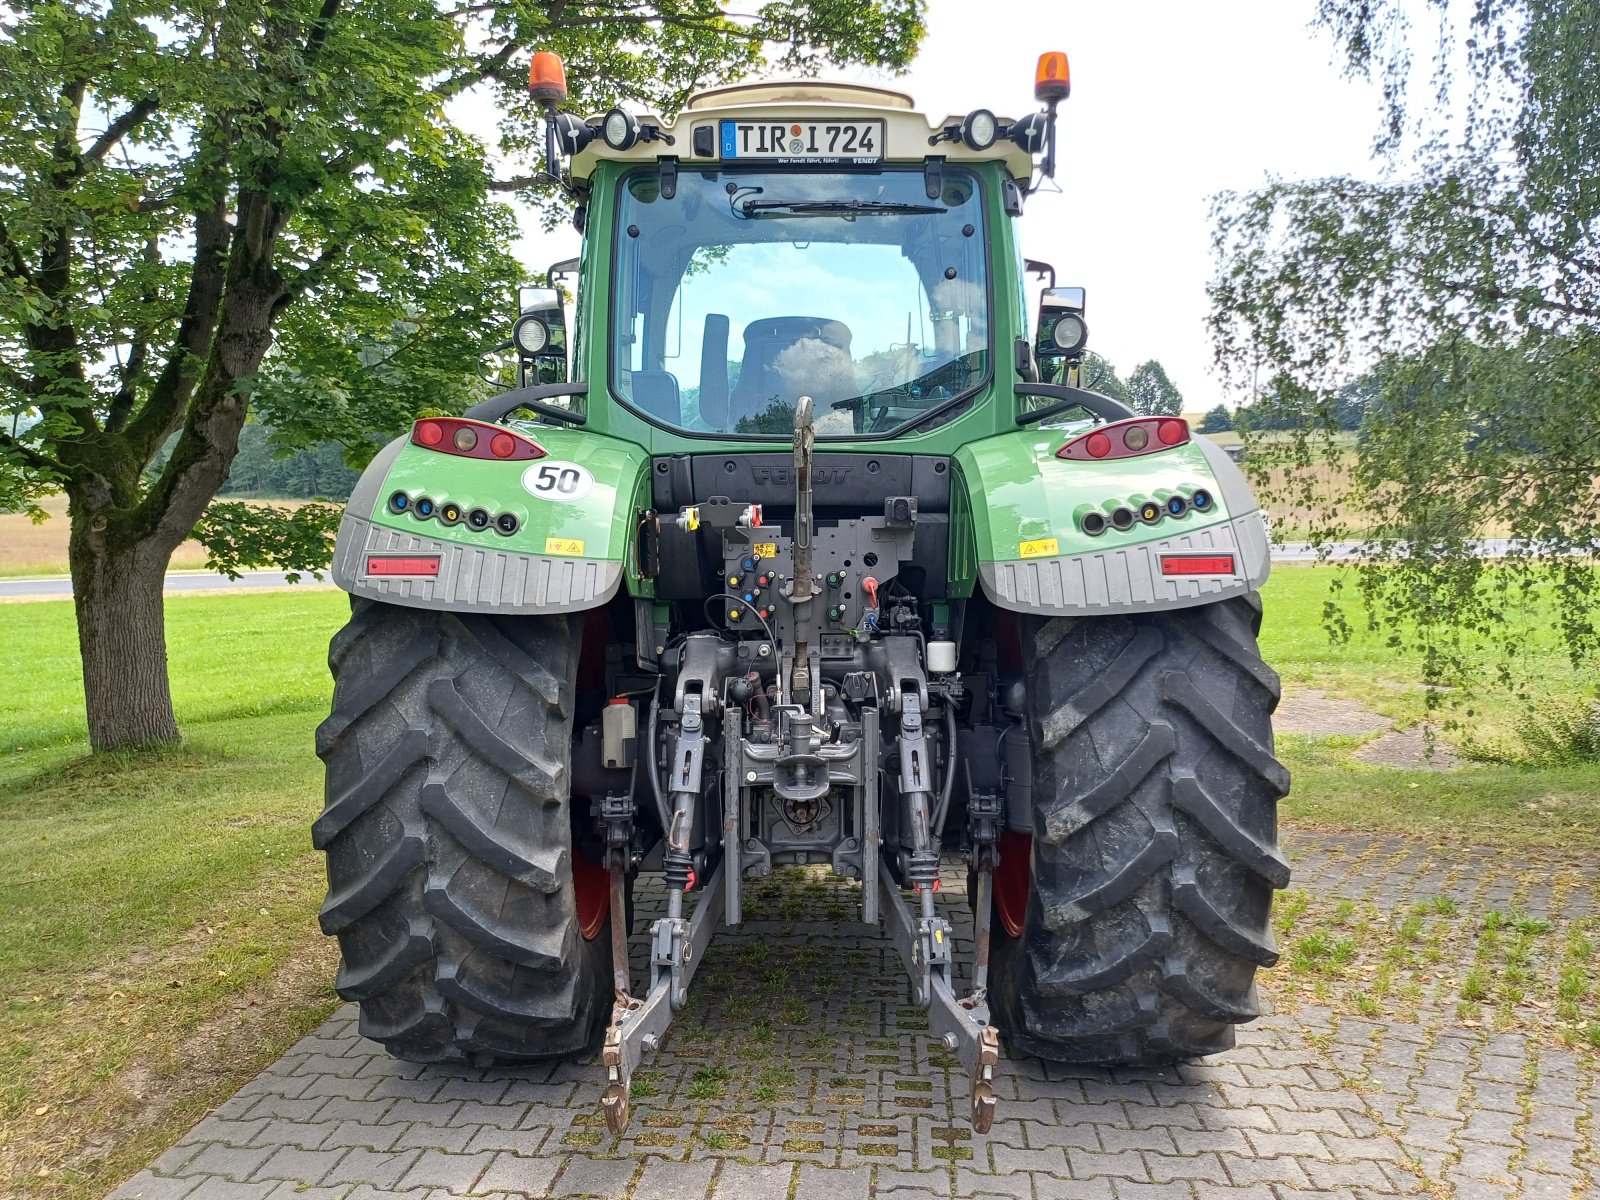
(159, 943)
(1554, 809)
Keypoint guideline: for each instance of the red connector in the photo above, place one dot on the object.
(1127, 439)
(473, 439)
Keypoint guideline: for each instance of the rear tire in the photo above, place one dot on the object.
(449, 839)
(1155, 848)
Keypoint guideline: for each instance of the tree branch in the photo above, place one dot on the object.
(15, 380)
(116, 131)
(515, 184)
(11, 261)
(485, 69)
(133, 369)
(319, 29)
(312, 274)
(169, 395)
(34, 458)
(54, 337)
(1498, 295)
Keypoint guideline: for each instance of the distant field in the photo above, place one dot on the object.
(29, 549)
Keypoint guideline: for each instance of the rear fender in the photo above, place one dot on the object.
(575, 512)
(1033, 556)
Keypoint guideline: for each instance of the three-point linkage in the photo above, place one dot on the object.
(783, 733)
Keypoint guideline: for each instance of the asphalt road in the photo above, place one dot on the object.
(60, 587)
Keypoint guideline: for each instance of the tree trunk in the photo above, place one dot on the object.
(122, 637)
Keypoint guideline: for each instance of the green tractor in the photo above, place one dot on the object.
(797, 545)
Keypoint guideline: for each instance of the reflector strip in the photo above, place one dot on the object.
(392, 565)
(1197, 564)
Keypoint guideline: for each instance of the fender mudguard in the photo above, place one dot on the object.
(574, 511)
(1032, 554)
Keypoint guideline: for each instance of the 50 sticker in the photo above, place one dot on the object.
(552, 479)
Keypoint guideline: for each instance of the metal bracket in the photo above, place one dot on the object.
(871, 853)
(638, 1025)
(924, 946)
(615, 818)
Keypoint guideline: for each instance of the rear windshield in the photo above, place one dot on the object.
(748, 290)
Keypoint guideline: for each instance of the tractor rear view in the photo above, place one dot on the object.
(799, 544)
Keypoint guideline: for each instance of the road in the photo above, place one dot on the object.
(60, 587)
(841, 1091)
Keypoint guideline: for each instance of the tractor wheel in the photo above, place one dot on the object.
(1134, 932)
(451, 873)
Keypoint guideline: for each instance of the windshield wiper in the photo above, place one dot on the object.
(848, 209)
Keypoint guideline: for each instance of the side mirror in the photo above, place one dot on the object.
(540, 338)
(1062, 333)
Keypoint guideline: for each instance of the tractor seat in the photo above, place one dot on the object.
(760, 383)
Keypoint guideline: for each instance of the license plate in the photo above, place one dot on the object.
(802, 141)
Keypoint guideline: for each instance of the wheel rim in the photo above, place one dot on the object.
(591, 888)
(1012, 880)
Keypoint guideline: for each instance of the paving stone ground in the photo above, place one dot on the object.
(800, 1072)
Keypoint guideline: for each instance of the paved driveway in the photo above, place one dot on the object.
(799, 1072)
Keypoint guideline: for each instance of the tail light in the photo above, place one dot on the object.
(1126, 439)
(473, 439)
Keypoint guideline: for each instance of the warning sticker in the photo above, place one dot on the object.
(765, 550)
(1040, 548)
(563, 546)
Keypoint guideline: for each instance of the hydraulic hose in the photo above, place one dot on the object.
(949, 771)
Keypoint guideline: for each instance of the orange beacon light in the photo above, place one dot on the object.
(1052, 82)
(547, 78)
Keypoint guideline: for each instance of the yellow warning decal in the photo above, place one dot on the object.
(1039, 548)
(563, 546)
(765, 550)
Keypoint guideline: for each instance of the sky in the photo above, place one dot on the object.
(1173, 101)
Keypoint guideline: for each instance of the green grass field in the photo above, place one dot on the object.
(160, 942)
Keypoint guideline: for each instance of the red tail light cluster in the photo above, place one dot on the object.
(1126, 439)
(473, 439)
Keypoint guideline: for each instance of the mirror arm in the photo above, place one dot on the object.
(1067, 397)
(496, 407)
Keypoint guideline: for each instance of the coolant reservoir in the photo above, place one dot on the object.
(619, 731)
(941, 658)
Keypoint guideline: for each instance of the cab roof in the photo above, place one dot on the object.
(907, 131)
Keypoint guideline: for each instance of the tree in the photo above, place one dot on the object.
(1463, 292)
(1217, 420)
(265, 203)
(1152, 392)
(1099, 375)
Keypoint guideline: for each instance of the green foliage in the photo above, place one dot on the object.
(1099, 375)
(1456, 304)
(239, 537)
(1553, 734)
(262, 469)
(1284, 407)
(205, 210)
(1217, 420)
(1152, 393)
